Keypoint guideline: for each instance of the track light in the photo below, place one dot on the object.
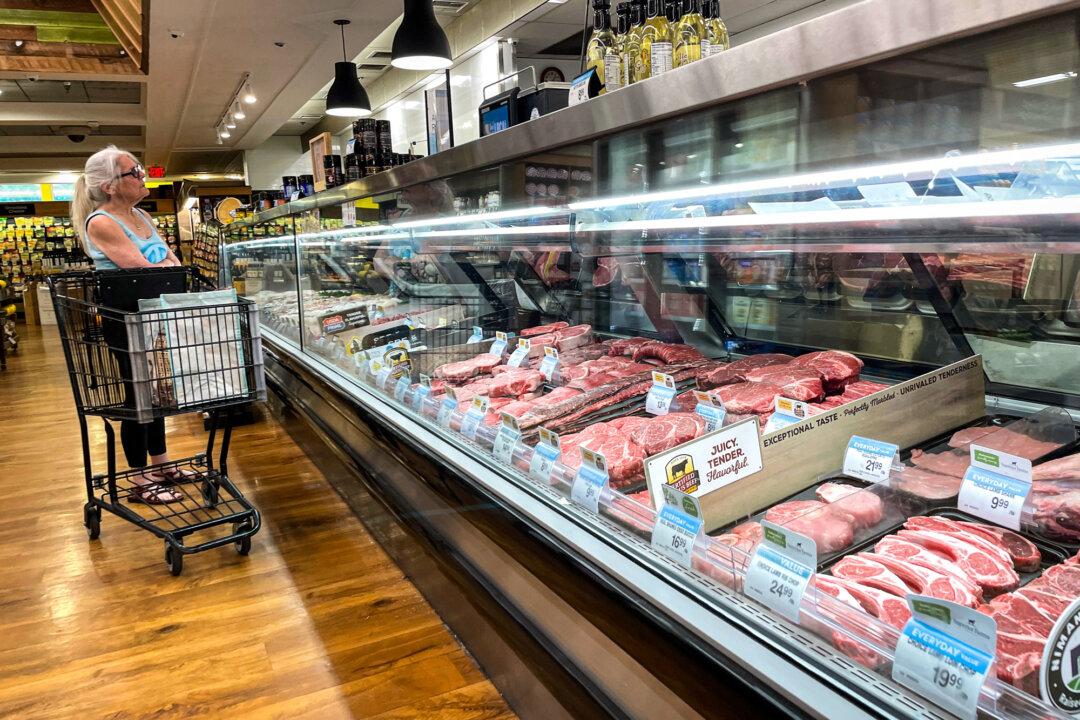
(420, 43)
(249, 94)
(238, 111)
(229, 121)
(18, 43)
(234, 111)
(346, 97)
(225, 132)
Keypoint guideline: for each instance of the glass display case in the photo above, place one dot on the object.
(888, 250)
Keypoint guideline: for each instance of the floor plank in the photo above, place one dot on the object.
(316, 623)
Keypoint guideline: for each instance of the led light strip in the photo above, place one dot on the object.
(531, 212)
(479, 232)
(865, 175)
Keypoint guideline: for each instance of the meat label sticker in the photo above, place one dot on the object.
(447, 408)
(550, 363)
(382, 376)
(786, 412)
(499, 346)
(521, 353)
(421, 392)
(662, 392)
(780, 570)
(708, 408)
(990, 496)
(1059, 674)
(402, 388)
(507, 440)
(945, 653)
(869, 460)
(474, 416)
(590, 481)
(1001, 463)
(477, 335)
(710, 462)
(544, 456)
(678, 526)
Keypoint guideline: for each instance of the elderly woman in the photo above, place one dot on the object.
(116, 236)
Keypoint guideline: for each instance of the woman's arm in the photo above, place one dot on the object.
(111, 240)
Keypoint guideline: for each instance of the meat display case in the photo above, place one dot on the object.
(910, 200)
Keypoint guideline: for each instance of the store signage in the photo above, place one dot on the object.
(477, 335)
(507, 440)
(63, 192)
(447, 408)
(402, 388)
(870, 460)
(338, 322)
(780, 570)
(20, 193)
(591, 479)
(474, 416)
(499, 346)
(155, 172)
(662, 392)
(544, 456)
(382, 374)
(421, 392)
(583, 87)
(22, 209)
(550, 364)
(1059, 674)
(996, 486)
(710, 409)
(678, 526)
(708, 463)
(786, 412)
(521, 352)
(945, 653)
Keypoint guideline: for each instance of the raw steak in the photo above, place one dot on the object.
(751, 531)
(1057, 516)
(1046, 598)
(856, 650)
(803, 384)
(863, 505)
(1025, 555)
(555, 396)
(625, 459)
(465, 369)
(667, 353)
(544, 329)
(928, 582)
(950, 462)
(513, 384)
(748, 398)
(913, 554)
(866, 570)
(633, 511)
(1008, 440)
(925, 484)
(836, 367)
(628, 425)
(830, 528)
(1066, 468)
(984, 568)
(1025, 612)
(953, 527)
(1021, 672)
(887, 607)
(1066, 578)
(736, 372)
(573, 337)
(666, 431)
(583, 354)
(626, 346)
(537, 343)
(963, 438)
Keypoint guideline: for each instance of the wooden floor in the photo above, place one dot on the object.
(316, 623)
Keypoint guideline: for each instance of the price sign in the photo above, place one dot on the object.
(446, 409)
(382, 377)
(710, 409)
(477, 335)
(579, 88)
(544, 456)
(592, 477)
(474, 416)
(521, 353)
(507, 440)
(786, 412)
(870, 460)
(499, 346)
(677, 526)
(945, 653)
(662, 392)
(401, 388)
(780, 570)
(421, 393)
(550, 364)
(996, 486)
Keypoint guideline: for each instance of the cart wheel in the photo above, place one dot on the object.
(175, 559)
(243, 545)
(210, 493)
(92, 520)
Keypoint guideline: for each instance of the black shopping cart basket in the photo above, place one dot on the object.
(139, 347)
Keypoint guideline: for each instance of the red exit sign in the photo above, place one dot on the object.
(155, 171)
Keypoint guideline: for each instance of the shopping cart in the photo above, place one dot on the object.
(133, 356)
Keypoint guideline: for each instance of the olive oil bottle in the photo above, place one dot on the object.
(689, 32)
(632, 45)
(654, 55)
(614, 64)
(716, 38)
(601, 43)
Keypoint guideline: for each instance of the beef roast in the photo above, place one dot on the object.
(465, 369)
(515, 383)
(667, 353)
(748, 398)
(803, 384)
(666, 431)
(544, 329)
(573, 337)
(838, 368)
(735, 372)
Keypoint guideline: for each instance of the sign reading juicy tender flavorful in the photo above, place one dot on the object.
(710, 462)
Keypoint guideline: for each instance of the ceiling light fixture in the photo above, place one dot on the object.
(249, 94)
(18, 43)
(420, 43)
(347, 97)
(1045, 80)
(238, 111)
(234, 111)
(224, 131)
(230, 122)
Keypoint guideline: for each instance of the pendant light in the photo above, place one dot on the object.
(347, 97)
(420, 44)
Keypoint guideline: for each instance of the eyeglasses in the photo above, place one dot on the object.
(136, 172)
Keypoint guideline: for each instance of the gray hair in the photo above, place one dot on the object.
(101, 170)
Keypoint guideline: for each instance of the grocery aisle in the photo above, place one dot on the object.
(317, 622)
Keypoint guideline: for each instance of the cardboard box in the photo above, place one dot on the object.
(45, 306)
(30, 304)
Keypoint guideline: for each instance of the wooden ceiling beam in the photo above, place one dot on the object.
(36, 49)
(18, 32)
(125, 20)
(48, 5)
(88, 66)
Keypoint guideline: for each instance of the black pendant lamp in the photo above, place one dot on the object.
(347, 97)
(420, 44)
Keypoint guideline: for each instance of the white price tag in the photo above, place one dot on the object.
(591, 478)
(477, 335)
(678, 526)
(382, 377)
(662, 392)
(544, 456)
(945, 653)
(997, 494)
(421, 393)
(549, 365)
(870, 460)
(446, 409)
(402, 388)
(708, 408)
(786, 412)
(780, 570)
(507, 440)
(579, 88)
(499, 346)
(474, 416)
(520, 354)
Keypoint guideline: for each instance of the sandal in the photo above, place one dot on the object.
(173, 476)
(153, 494)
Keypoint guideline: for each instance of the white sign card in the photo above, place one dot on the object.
(711, 410)
(590, 481)
(402, 388)
(421, 393)
(870, 460)
(499, 346)
(521, 353)
(447, 408)
(678, 526)
(477, 335)
(474, 416)
(780, 570)
(662, 392)
(786, 412)
(579, 88)
(544, 456)
(995, 487)
(507, 440)
(550, 364)
(712, 461)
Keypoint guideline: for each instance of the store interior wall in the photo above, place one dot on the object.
(570, 67)
(265, 165)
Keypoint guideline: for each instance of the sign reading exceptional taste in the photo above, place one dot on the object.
(710, 462)
(1059, 674)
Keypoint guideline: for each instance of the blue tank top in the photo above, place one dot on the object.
(152, 248)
